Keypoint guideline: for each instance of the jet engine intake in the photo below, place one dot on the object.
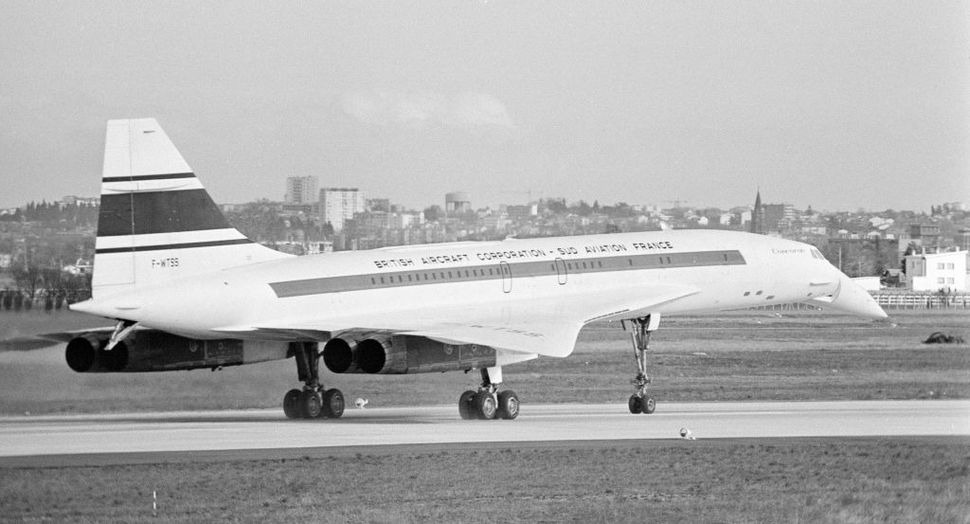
(401, 354)
(369, 355)
(152, 350)
(86, 354)
(338, 356)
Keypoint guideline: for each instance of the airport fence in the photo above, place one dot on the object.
(890, 299)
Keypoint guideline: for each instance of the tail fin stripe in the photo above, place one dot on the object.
(160, 247)
(155, 212)
(180, 237)
(149, 186)
(138, 178)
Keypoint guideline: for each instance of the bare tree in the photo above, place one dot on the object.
(27, 278)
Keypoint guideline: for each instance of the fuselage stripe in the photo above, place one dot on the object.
(185, 245)
(560, 268)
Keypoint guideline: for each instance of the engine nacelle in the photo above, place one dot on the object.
(400, 354)
(359, 356)
(151, 350)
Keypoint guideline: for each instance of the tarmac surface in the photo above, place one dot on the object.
(28, 439)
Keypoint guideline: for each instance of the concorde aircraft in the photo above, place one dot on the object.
(186, 290)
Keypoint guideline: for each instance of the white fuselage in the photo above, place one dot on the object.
(729, 270)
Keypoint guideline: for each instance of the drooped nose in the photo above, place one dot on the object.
(851, 298)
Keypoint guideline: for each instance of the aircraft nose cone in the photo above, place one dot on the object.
(855, 300)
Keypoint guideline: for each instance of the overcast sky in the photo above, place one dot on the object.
(837, 105)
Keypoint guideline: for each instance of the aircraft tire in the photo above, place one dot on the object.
(508, 405)
(485, 406)
(648, 405)
(333, 403)
(291, 403)
(466, 405)
(635, 404)
(310, 404)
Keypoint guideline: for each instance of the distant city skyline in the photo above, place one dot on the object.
(87, 199)
(829, 105)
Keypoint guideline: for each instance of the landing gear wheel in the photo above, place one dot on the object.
(648, 405)
(485, 406)
(466, 405)
(643, 327)
(291, 403)
(310, 404)
(635, 404)
(508, 405)
(333, 403)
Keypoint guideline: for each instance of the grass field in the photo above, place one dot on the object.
(741, 356)
(771, 480)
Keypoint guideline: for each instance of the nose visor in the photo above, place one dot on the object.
(853, 299)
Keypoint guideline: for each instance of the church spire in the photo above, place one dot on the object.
(756, 215)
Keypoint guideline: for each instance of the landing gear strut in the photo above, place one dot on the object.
(313, 400)
(640, 400)
(487, 403)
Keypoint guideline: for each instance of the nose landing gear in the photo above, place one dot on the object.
(640, 401)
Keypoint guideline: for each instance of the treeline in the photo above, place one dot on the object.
(43, 288)
(78, 215)
(263, 222)
(861, 257)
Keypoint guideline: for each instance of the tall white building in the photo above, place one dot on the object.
(301, 190)
(338, 204)
(935, 271)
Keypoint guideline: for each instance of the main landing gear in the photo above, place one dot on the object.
(313, 401)
(487, 403)
(640, 401)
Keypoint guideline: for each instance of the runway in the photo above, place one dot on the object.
(267, 429)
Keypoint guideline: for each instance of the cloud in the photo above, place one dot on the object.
(424, 110)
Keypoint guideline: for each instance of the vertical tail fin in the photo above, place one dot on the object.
(157, 222)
